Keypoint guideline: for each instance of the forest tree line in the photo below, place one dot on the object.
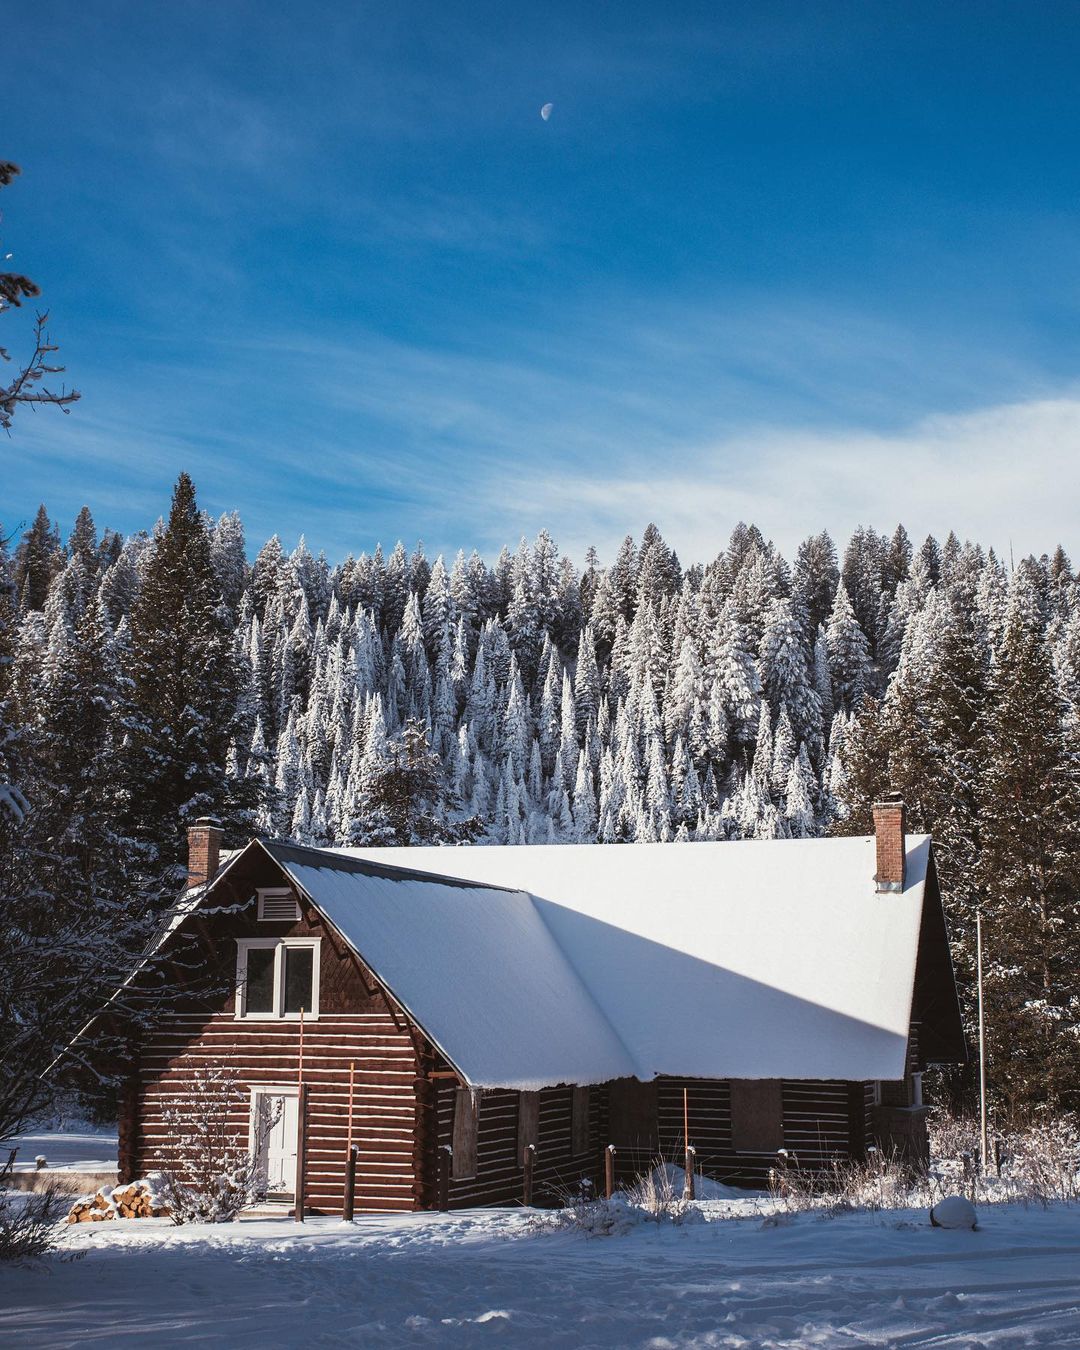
(390, 698)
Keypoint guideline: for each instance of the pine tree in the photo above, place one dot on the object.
(37, 561)
(848, 653)
(406, 800)
(584, 802)
(184, 685)
(814, 580)
(1030, 871)
(228, 557)
(799, 812)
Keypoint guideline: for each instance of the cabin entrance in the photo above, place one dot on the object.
(274, 1117)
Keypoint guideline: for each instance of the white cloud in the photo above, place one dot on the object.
(1004, 476)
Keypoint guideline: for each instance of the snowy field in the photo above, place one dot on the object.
(87, 1149)
(488, 1276)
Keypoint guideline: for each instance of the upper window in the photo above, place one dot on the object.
(277, 978)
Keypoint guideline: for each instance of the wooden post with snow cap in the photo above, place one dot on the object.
(609, 1171)
(690, 1153)
(446, 1158)
(350, 1156)
(528, 1162)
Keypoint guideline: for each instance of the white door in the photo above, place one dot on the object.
(274, 1119)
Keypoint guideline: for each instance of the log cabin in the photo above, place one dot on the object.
(462, 1013)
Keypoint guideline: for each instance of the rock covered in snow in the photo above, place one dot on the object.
(955, 1211)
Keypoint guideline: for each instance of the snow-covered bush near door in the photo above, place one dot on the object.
(215, 1170)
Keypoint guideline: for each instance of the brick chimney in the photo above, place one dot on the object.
(891, 844)
(204, 849)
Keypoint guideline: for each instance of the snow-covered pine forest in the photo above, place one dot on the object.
(392, 697)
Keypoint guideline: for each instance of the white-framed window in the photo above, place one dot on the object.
(276, 978)
(277, 904)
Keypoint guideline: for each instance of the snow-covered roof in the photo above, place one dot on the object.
(475, 965)
(583, 963)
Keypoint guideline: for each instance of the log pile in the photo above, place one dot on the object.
(134, 1201)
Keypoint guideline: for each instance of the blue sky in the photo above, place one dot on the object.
(813, 265)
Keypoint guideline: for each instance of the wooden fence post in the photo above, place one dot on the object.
(301, 1146)
(350, 1185)
(527, 1183)
(609, 1171)
(446, 1158)
(688, 1176)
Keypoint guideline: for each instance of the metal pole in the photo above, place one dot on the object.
(527, 1182)
(984, 1138)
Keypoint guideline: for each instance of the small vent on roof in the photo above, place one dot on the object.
(278, 906)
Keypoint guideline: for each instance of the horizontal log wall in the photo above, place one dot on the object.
(267, 1053)
(499, 1174)
(823, 1122)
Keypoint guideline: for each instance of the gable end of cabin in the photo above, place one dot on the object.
(243, 964)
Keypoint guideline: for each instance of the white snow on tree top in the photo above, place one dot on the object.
(728, 960)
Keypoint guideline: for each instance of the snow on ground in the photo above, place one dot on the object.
(85, 1150)
(489, 1275)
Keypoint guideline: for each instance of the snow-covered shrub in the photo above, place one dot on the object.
(954, 1150)
(655, 1196)
(28, 1220)
(658, 1194)
(594, 1216)
(883, 1180)
(215, 1172)
(1042, 1161)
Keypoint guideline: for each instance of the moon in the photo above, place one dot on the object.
(545, 111)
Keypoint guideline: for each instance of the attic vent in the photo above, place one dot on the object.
(278, 906)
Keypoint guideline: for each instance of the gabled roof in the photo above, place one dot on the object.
(535, 965)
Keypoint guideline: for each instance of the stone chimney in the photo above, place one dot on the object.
(891, 843)
(204, 850)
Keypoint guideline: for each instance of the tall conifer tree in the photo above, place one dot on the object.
(185, 687)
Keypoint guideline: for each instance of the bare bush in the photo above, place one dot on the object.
(883, 1180)
(28, 1222)
(216, 1171)
(1041, 1162)
(658, 1194)
(655, 1196)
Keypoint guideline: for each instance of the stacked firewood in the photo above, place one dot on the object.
(134, 1201)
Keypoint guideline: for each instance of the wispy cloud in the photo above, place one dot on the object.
(590, 422)
(1006, 476)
